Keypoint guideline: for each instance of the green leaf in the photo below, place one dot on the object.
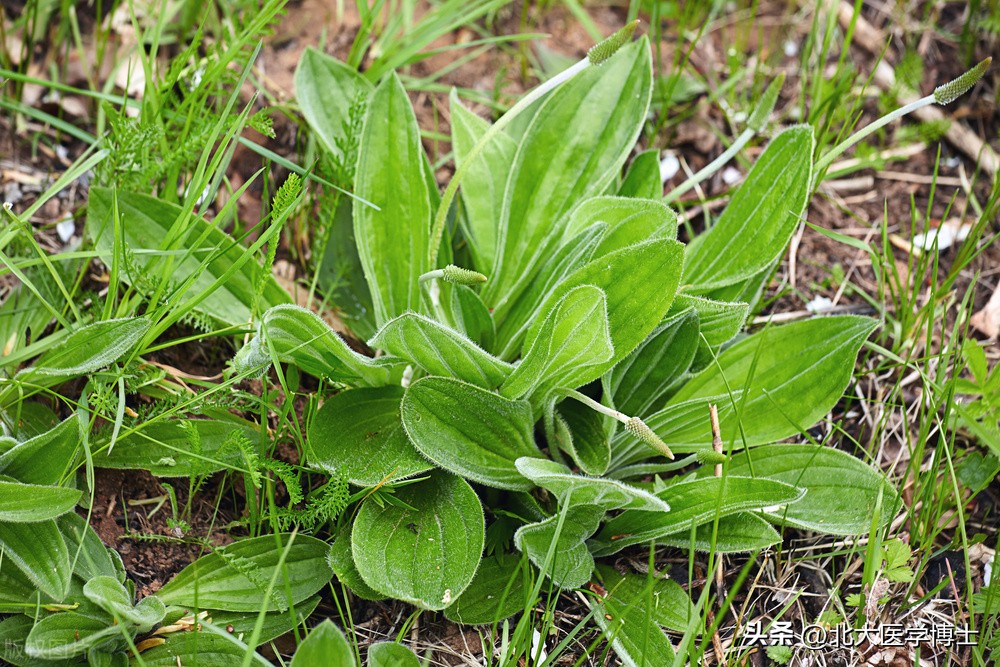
(628, 221)
(608, 494)
(666, 603)
(692, 503)
(325, 646)
(719, 322)
(66, 635)
(28, 503)
(789, 376)
(496, 592)
(301, 337)
(840, 491)
(341, 561)
(393, 242)
(484, 181)
(635, 636)
(572, 563)
(440, 350)
(325, 89)
(760, 219)
(574, 148)
(470, 315)
(182, 447)
(639, 283)
(275, 623)
(91, 558)
(110, 595)
(643, 177)
(146, 224)
(198, 649)
(580, 432)
(427, 553)
(237, 577)
(570, 349)
(87, 350)
(340, 275)
(46, 458)
(13, 633)
(389, 654)
(639, 384)
(470, 431)
(359, 434)
(742, 532)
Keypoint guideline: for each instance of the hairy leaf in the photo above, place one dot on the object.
(496, 592)
(389, 654)
(40, 551)
(28, 503)
(325, 89)
(563, 536)
(325, 646)
(87, 349)
(46, 458)
(606, 493)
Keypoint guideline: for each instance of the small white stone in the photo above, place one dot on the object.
(819, 304)
(66, 229)
(669, 166)
(731, 175)
(791, 48)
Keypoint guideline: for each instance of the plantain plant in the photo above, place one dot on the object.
(547, 352)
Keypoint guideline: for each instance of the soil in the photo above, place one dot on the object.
(127, 512)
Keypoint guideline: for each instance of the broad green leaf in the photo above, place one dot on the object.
(145, 225)
(642, 179)
(341, 561)
(737, 533)
(667, 604)
(571, 564)
(629, 221)
(760, 219)
(301, 337)
(183, 447)
(571, 347)
(325, 646)
(28, 503)
(608, 494)
(719, 322)
(470, 315)
(394, 241)
(470, 431)
(639, 283)
(790, 376)
(198, 649)
(276, 623)
(326, 89)
(497, 592)
(110, 595)
(91, 558)
(484, 181)
(46, 458)
(340, 276)
(237, 577)
(13, 633)
(389, 654)
(692, 503)
(440, 350)
(359, 434)
(580, 432)
(840, 491)
(426, 555)
(573, 149)
(87, 349)
(65, 635)
(640, 382)
(632, 624)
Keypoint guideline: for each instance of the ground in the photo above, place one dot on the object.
(128, 512)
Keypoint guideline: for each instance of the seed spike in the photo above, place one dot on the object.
(640, 430)
(951, 91)
(608, 47)
(455, 275)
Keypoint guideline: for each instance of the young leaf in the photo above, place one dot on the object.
(470, 431)
(840, 490)
(496, 592)
(325, 646)
(572, 342)
(760, 219)
(440, 350)
(88, 349)
(394, 241)
(389, 654)
(692, 503)
(110, 595)
(28, 503)
(40, 551)
(300, 337)
(628, 221)
(573, 149)
(45, 458)
(146, 222)
(325, 89)
(237, 577)
(571, 564)
(427, 553)
(608, 494)
(359, 434)
(642, 180)
(791, 376)
(580, 432)
(719, 322)
(483, 187)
